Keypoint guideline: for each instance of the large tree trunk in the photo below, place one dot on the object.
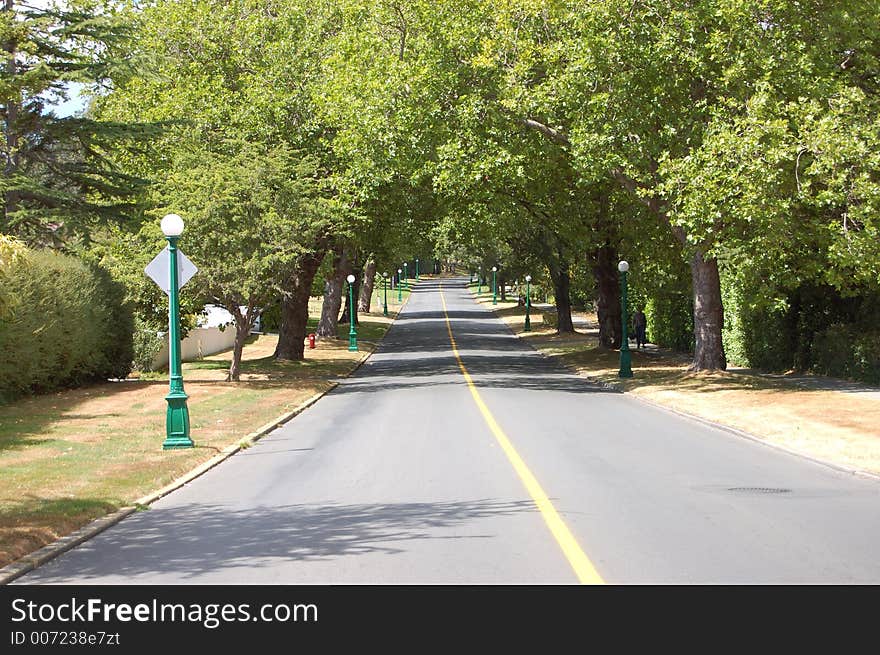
(366, 295)
(562, 288)
(328, 325)
(608, 296)
(295, 309)
(708, 308)
(243, 324)
(708, 315)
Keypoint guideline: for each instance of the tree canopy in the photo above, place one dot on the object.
(729, 150)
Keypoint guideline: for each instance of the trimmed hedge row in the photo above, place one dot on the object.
(848, 351)
(810, 328)
(670, 320)
(63, 322)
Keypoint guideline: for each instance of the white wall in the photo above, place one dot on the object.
(197, 344)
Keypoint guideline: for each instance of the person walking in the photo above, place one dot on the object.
(640, 323)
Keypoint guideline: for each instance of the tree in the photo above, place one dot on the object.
(660, 89)
(242, 70)
(241, 206)
(366, 295)
(59, 179)
(334, 283)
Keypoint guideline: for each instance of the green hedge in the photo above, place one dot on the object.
(757, 331)
(809, 328)
(848, 351)
(62, 322)
(670, 321)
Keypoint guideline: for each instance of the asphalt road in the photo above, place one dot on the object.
(518, 472)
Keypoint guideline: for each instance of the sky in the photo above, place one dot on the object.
(74, 104)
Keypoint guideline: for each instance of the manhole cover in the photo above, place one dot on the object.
(759, 490)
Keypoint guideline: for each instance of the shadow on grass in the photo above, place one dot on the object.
(89, 417)
(32, 523)
(201, 446)
(668, 371)
(27, 422)
(41, 508)
(276, 372)
(19, 441)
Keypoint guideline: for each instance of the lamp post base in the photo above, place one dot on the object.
(177, 422)
(528, 327)
(352, 343)
(625, 364)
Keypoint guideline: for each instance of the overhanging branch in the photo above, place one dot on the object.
(555, 135)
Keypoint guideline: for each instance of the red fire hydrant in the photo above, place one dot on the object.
(312, 340)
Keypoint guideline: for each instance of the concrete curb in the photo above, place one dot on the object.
(48, 552)
(610, 386)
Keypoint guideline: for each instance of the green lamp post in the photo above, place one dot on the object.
(352, 333)
(177, 415)
(417, 268)
(480, 281)
(625, 355)
(406, 272)
(385, 288)
(528, 327)
(494, 286)
(399, 285)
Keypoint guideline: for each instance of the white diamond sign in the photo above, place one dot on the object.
(159, 270)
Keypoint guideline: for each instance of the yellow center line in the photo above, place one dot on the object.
(578, 559)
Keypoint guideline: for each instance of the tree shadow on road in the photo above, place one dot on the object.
(196, 539)
(519, 370)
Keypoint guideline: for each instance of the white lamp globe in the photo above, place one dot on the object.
(494, 268)
(399, 270)
(623, 266)
(385, 274)
(350, 279)
(172, 225)
(528, 278)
